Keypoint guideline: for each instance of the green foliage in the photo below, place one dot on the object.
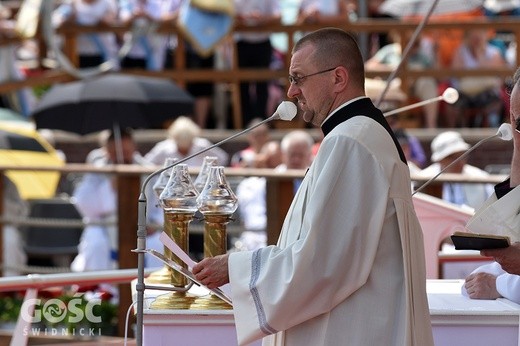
(10, 306)
(38, 91)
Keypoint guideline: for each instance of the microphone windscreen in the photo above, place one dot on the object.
(505, 132)
(450, 95)
(286, 110)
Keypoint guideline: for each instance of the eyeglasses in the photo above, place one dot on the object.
(297, 80)
(517, 125)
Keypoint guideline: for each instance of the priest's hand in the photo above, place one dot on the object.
(508, 258)
(212, 271)
(482, 286)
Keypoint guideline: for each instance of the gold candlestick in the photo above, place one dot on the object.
(180, 222)
(215, 243)
(215, 234)
(164, 275)
(179, 203)
(217, 203)
(179, 233)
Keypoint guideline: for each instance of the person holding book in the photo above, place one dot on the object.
(500, 216)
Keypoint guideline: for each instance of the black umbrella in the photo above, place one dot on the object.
(98, 103)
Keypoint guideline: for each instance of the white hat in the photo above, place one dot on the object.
(447, 143)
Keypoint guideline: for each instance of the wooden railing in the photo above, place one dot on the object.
(235, 75)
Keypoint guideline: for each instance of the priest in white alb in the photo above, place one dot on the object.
(348, 268)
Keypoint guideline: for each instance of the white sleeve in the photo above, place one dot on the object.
(508, 285)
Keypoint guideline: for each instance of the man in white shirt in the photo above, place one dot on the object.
(96, 199)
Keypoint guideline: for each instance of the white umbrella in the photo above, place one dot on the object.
(405, 8)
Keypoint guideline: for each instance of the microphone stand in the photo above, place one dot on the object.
(141, 225)
(455, 161)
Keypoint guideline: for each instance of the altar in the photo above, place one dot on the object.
(187, 327)
(456, 320)
(459, 320)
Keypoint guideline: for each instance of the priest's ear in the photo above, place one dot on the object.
(342, 79)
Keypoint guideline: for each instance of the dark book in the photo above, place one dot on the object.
(473, 241)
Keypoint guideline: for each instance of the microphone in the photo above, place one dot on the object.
(450, 95)
(285, 111)
(504, 132)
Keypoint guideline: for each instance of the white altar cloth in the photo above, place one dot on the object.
(459, 320)
(456, 320)
(186, 327)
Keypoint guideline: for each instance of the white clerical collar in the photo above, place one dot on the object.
(341, 106)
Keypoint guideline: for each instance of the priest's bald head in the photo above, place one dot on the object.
(326, 71)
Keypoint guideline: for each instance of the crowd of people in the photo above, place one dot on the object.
(481, 104)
